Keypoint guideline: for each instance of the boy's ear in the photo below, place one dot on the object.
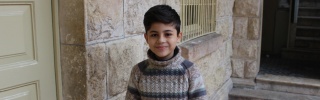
(179, 37)
(146, 37)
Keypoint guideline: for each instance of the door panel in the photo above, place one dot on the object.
(23, 92)
(17, 38)
(26, 50)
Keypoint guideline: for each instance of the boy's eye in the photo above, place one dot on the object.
(154, 35)
(168, 34)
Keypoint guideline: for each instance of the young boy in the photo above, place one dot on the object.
(166, 74)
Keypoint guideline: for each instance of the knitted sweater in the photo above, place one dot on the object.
(170, 80)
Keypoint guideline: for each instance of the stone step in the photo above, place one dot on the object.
(308, 38)
(309, 3)
(308, 33)
(306, 44)
(309, 17)
(308, 27)
(243, 83)
(310, 8)
(309, 12)
(250, 94)
(288, 84)
(308, 21)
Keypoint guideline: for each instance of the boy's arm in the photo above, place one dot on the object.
(132, 89)
(197, 90)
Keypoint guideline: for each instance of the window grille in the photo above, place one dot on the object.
(197, 18)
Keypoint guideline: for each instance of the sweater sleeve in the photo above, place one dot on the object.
(132, 89)
(197, 90)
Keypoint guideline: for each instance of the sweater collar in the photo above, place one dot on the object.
(154, 61)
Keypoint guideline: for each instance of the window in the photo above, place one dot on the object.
(197, 17)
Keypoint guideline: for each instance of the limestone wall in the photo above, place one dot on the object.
(114, 43)
(246, 38)
(101, 40)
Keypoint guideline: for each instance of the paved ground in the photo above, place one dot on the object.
(296, 68)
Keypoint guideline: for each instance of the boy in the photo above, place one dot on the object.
(166, 74)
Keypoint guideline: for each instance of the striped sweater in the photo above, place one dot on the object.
(174, 79)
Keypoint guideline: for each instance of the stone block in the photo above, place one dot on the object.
(73, 70)
(228, 67)
(97, 71)
(237, 67)
(223, 50)
(247, 8)
(240, 27)
(121, 96)
(200, 47)
(224, 27)
(245, 48)
(251, 69)
(71, 21)
(223, 92)
(214, 70)
(244, 83)
(122, 56)
(134, 11)
(254, 28)
(104, 20)
(229, 48)
(224, 8)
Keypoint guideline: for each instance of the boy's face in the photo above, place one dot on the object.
(162, 40)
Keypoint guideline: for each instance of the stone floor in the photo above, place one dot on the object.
(287, 67)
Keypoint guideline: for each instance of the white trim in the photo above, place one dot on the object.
(56, 36)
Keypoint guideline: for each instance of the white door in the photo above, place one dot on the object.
(26, 50)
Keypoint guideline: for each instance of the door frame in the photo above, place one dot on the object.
(56, 46)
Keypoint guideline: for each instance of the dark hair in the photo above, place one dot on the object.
(163, 14)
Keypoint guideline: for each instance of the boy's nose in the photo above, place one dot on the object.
(161, 39)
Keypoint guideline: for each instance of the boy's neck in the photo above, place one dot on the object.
(164, 58)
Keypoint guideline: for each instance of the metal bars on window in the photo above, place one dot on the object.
(198, 18)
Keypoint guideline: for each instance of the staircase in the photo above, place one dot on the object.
(275, 87)
(304, 33)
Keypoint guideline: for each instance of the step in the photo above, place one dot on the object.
(310, 8)
(251, 94)
(309, 3)
(308, 27)
(309, 12)
(307, 44)
(309, 17)
(288, 84)
(313, 21)
(307, 33)
(243, 83)
(308, 38)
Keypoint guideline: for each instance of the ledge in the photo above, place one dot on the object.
(201, 46)
(243, 83)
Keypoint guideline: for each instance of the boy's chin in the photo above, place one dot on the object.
(163, 56)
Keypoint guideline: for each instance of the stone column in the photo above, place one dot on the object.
(72, 37)
(246, 38)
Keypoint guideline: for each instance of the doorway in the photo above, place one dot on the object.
(290, 38)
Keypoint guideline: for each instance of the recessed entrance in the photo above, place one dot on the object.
(290, 51)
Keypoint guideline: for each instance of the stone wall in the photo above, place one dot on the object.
(246, 38)
(101, 40)
(114, 43)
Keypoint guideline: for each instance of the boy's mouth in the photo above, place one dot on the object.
(161, 47)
